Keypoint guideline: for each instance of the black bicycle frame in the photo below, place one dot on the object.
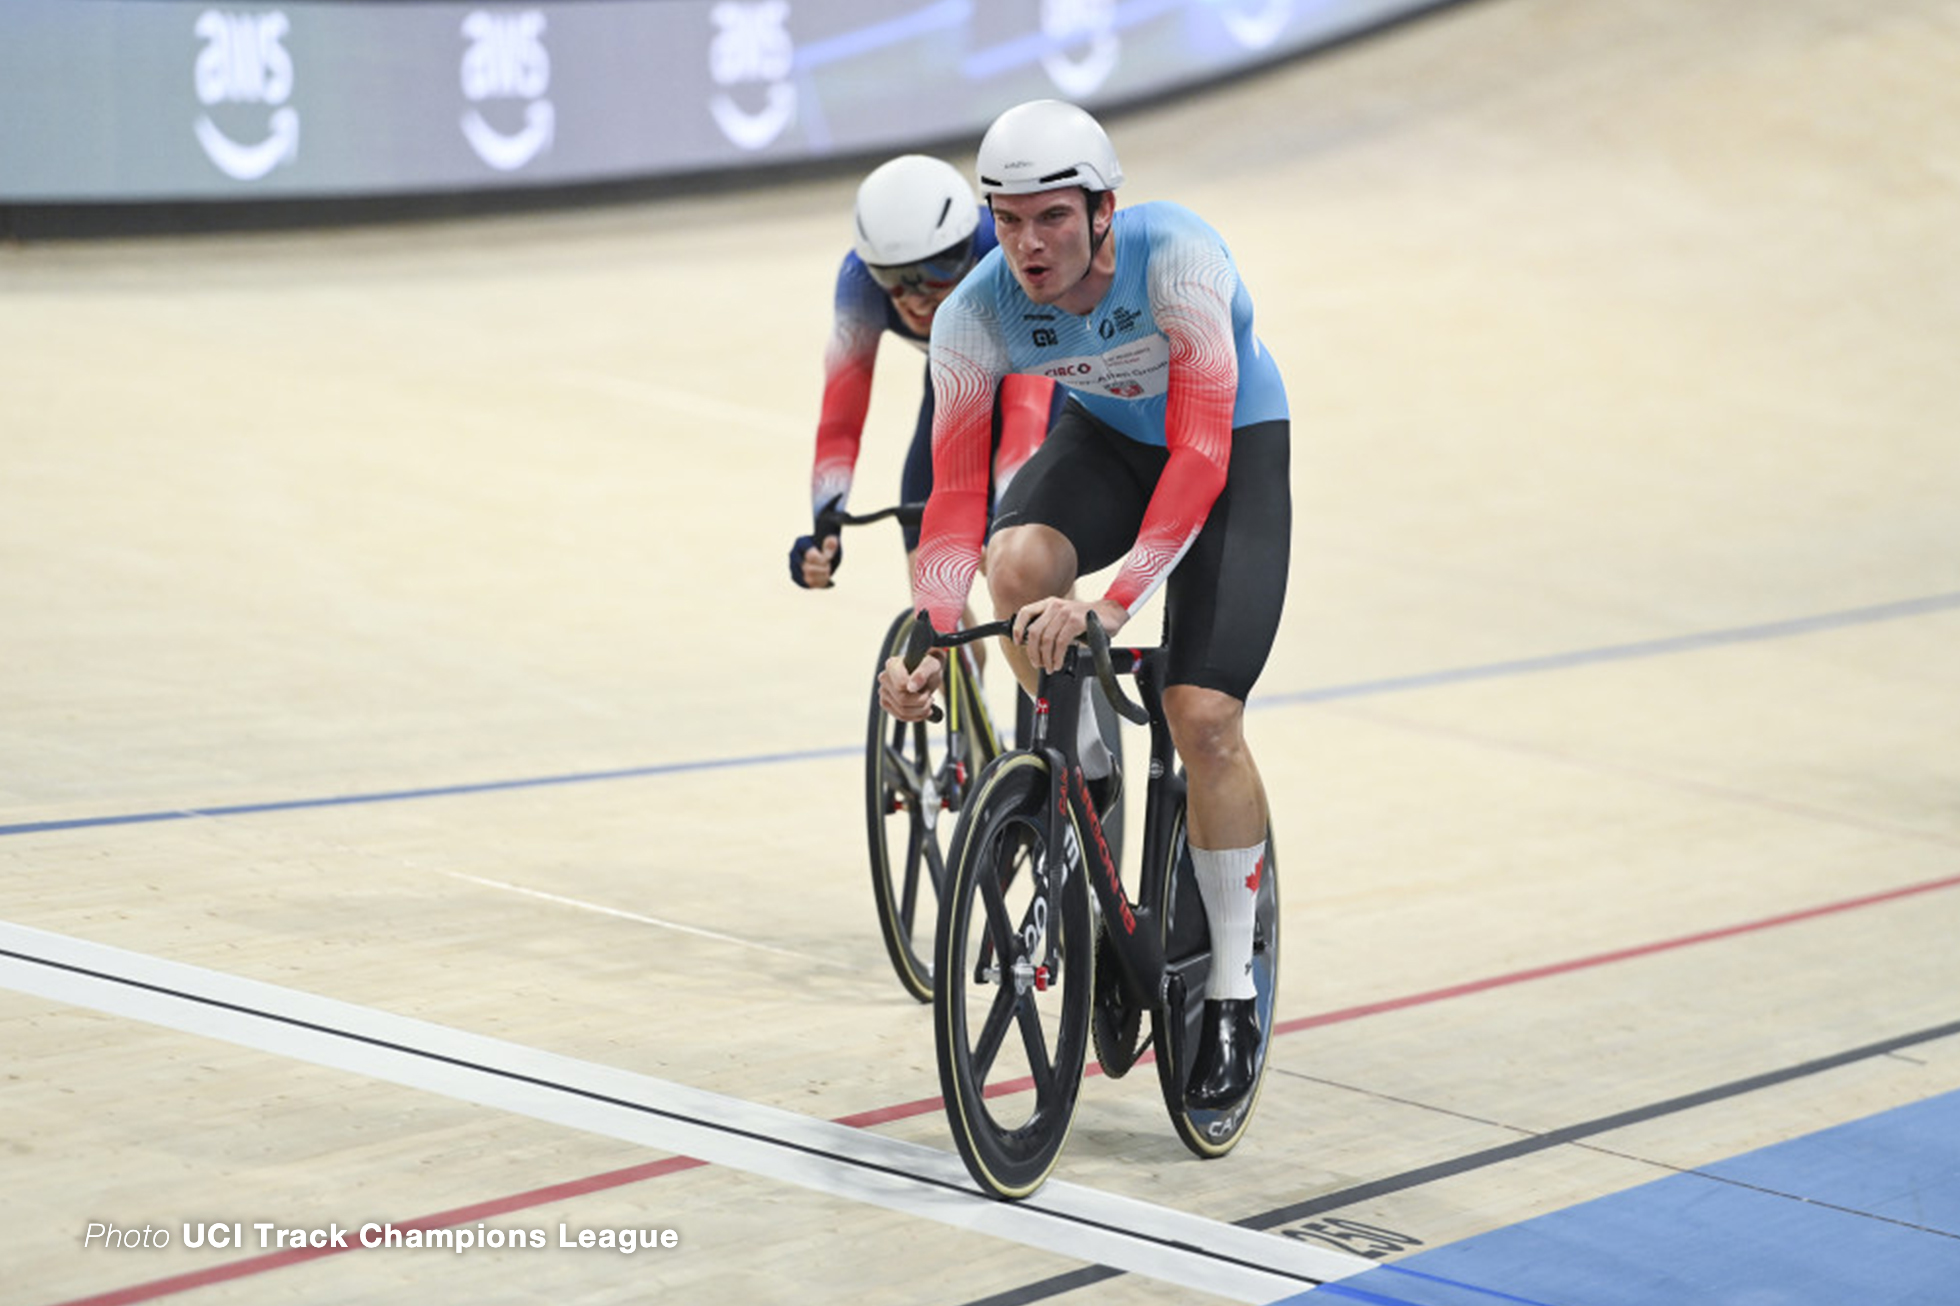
(1132, 927)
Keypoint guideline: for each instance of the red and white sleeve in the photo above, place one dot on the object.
(1191, 287)
(967, 366)
(848, 359)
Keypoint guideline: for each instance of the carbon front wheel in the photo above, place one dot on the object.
(1015, 968)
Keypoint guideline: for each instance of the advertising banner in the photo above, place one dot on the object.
(152, 100)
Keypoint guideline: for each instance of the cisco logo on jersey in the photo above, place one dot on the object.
(244, 78)
(750, 58)
(506, 75)
(1138, 370)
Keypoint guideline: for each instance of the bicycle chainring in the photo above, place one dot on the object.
(1115, 1018)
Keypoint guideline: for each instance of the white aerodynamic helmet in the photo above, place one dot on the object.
(1044, 145)
(916, 210)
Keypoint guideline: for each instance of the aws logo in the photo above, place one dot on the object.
(750, 58)
(505, 65)
(1258, 24)
(1083, 47)
(244, 78)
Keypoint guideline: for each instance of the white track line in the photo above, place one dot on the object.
(645, 920)
(1079, 1223)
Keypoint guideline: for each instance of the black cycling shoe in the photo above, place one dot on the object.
(1228, 1045)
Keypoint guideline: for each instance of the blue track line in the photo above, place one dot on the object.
(1359, 689)
(434, 791)
(1622, 652)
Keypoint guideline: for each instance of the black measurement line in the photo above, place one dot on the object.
(1043, 1289)
(837, 1158)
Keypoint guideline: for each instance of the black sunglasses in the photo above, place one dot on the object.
(935, 273)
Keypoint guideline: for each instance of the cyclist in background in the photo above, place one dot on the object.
(1171, 456)
(918, 232)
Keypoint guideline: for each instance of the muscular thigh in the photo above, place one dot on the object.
(1225, 597)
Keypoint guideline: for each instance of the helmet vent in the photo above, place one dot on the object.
(1063, 175)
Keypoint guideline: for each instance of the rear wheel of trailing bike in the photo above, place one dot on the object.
(915, 774)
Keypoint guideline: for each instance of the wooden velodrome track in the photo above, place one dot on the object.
(397, 642)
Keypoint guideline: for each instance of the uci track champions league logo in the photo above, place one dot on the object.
(244, 77)
(506, 61)
(751, 58)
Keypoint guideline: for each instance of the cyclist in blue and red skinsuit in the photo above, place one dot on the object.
(918, 232)
(1170, 457)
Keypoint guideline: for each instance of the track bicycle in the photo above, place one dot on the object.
(914, 774)
(1041, 953)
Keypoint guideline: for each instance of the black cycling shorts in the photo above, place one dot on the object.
(1223, 600)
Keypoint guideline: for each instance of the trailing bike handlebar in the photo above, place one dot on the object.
(830, 523)
(831, 519)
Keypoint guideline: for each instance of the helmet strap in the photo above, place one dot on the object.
(1094, 199)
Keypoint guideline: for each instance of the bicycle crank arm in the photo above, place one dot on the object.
(1170, 1021)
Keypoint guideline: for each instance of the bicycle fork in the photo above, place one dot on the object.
(1037, 959)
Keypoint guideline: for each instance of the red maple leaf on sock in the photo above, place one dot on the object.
(1258, 871)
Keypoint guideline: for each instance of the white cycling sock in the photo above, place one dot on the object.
(1090, 746)
(1228, 881)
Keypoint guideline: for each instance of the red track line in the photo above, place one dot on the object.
(1608, 958)
(883, 1115)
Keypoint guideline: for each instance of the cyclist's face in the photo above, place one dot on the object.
(916, 302)
(1045, 239)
